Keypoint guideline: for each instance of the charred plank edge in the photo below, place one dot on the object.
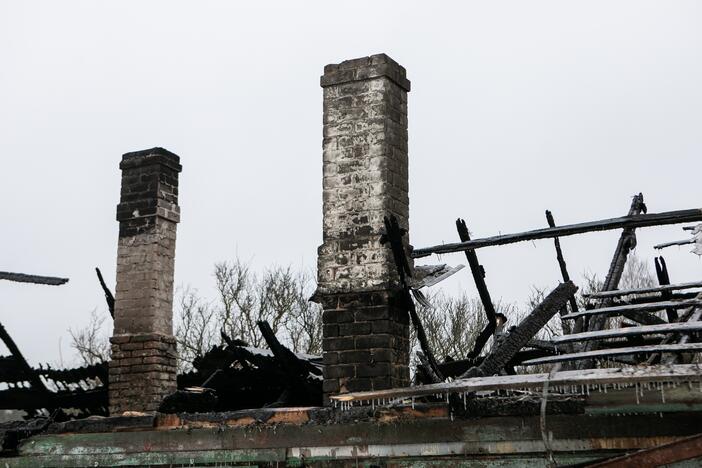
(646, 307)
(632, 331)
(624, 375)
(635, 221)
(603, 353)
(653, 289)
(34, 279)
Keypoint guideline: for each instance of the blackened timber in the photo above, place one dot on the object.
(672, 243)
(109, 298)
(623, 376)
(296, 369)
(34, 279)
(32, 376)
(525, 331)
(634, 221)
(479, 277)
(663, 280)
(626, 243)
(564, 272)
(654, 289)
(393, 237)
(607, 353)
(621, 309)
(631, 331)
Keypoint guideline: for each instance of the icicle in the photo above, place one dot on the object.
(662, 394)
(637, 394)
(464, 400)
(412, 402)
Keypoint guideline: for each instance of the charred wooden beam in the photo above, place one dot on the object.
(564, 272)
(654, 289)
(393, 237)
(634, 221)
(34, 279)
(607, 353)
(109, 298)
(32, 376)
(478, 273)
(663, 280)
(623, 376)
(672, 243)
(632, 331)
(622, 309)
(626, 243)
(525, 331)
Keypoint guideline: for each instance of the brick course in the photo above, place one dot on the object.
(365, 178)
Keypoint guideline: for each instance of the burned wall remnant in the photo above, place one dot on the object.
(366, 327)
(143, 367)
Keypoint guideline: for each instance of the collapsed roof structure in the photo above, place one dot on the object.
(627, 395)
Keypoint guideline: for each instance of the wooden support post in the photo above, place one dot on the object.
(564, 273)
(479, 277)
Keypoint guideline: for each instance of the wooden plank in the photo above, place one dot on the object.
(624, 376)
(603, 353)
(685, 449)
(654, 289)
(34, 279)
(646, 307)
(635, 221)
(632, 331)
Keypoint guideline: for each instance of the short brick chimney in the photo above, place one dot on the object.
(143, 365)
(366, 332)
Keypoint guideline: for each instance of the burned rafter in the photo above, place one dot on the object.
(478, 272)
(393, 236)
(632, 221)
(626, 243)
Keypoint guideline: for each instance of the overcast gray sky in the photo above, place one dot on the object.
(515, 107)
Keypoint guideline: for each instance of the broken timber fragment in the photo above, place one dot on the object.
(109, 298)
(34, 279)
(634, 221)
(525, 331)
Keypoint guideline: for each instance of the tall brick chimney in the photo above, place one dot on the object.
(143, 365)
(366, 332)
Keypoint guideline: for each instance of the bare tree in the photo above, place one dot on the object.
(90, 342)
(195, 330)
